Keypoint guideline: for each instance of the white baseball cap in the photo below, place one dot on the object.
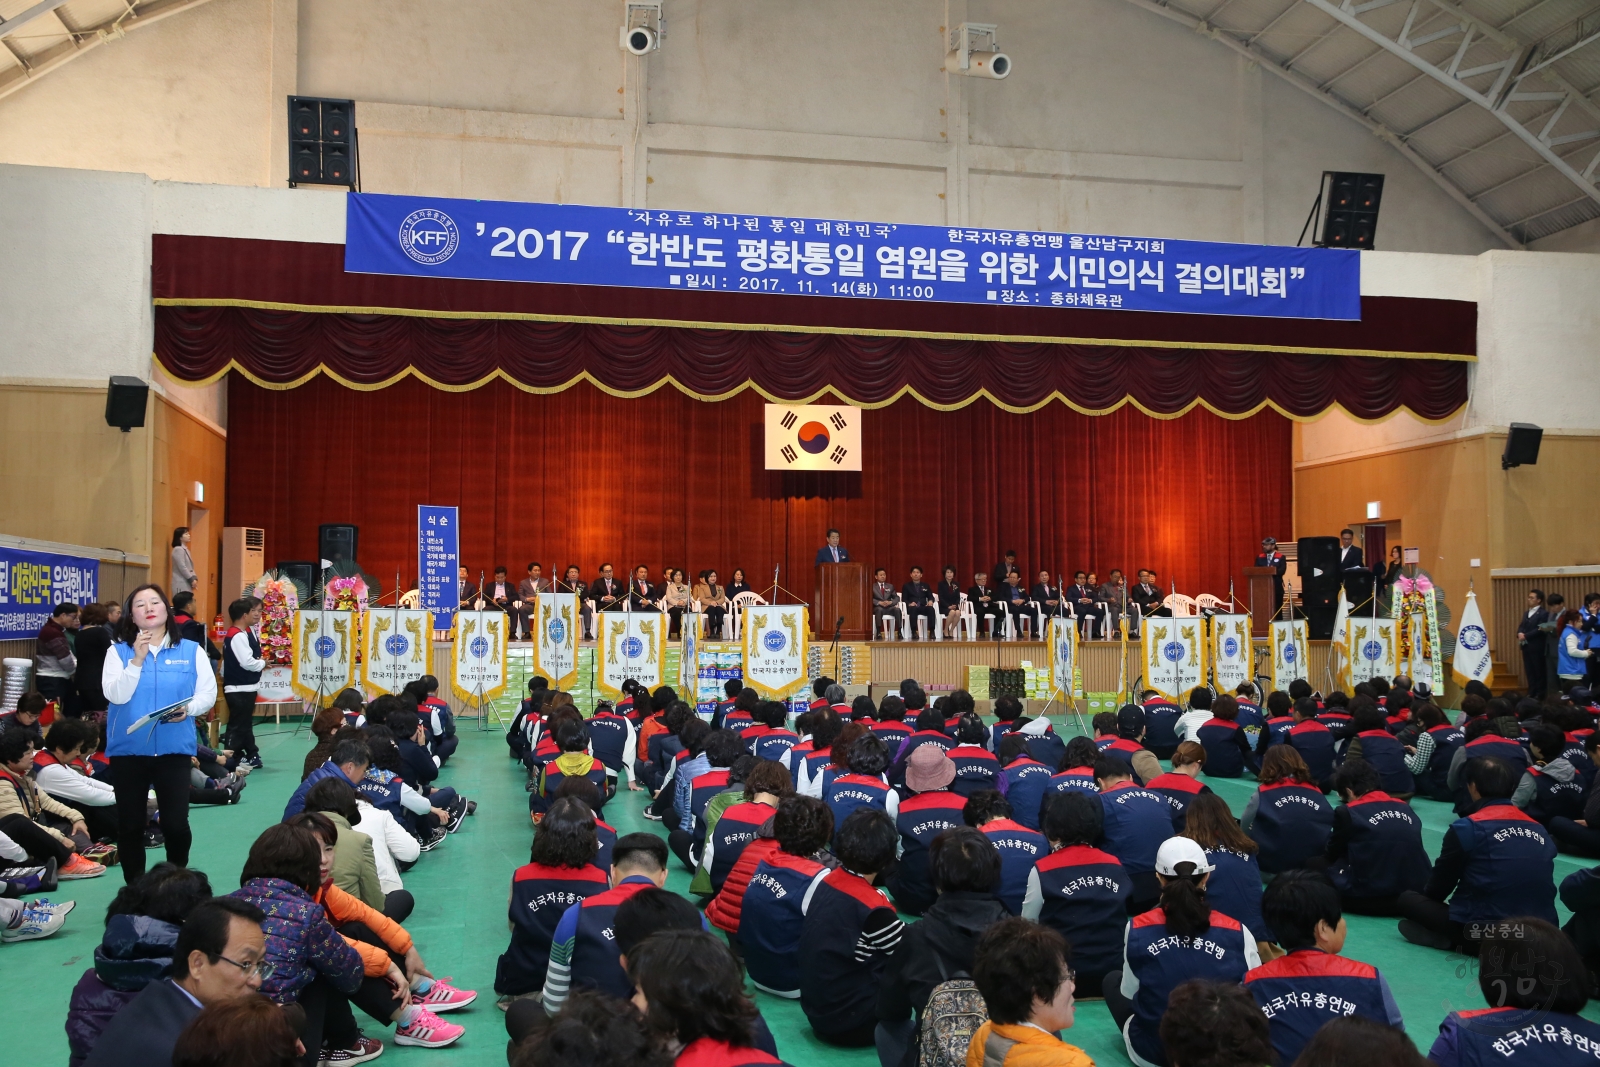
(1176, 850)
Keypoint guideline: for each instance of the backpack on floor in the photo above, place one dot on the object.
(954, 1013)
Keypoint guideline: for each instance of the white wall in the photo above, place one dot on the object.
(1115, 120)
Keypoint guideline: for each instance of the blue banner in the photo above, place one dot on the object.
(696, 250)
(438, 562)
(33, 583)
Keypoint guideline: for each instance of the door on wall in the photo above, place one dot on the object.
(1375, 546)
(205, 557)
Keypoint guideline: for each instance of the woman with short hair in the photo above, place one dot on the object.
(1021, 970)
(183, 572)
(690, 990)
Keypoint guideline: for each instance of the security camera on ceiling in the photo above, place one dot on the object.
(642, 28)
(982, 62)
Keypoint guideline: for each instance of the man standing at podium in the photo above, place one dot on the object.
(832, 552)
(1271, 557)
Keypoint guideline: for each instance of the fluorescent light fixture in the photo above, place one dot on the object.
(1374, 509)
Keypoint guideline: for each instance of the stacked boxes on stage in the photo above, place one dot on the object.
(1035, 681)
(975, 680)
(1007, 682)
(718, 663)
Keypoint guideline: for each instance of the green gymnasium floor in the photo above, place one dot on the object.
(460, 926)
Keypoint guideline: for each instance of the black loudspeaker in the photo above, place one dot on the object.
(302, 571)
(1522, 444)
(1350, 209)
(1358, 584)
(1320, 611)
(321, 141)
(126, 399)
(1317, 563)
(337, 541)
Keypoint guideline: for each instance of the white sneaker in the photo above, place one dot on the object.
(37, 922)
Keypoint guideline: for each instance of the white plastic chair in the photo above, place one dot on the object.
(1180, 605)
(733, 619)
(1207, 602)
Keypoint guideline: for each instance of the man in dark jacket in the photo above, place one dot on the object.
(966, 872)
(217, 958)
(419, 768)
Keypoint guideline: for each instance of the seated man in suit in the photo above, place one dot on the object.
(606, 593)
(1271, 557)
(885, 602)
(986, 602)
(522, 608)
(499, 593)
(832, 552)
(1048, 597)
(571, 582)
(643, 594)
(1081, 597)
(918, 599)
(467, 590)
(1146, 596)
(1014, 598)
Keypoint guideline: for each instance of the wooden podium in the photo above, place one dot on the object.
(841, 590)
(1263, 604)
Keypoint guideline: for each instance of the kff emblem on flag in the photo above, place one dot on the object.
(813, 437)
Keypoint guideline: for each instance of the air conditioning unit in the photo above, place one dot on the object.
(244, 553)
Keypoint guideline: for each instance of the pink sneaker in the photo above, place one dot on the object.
(442, 997)
(428, 1031)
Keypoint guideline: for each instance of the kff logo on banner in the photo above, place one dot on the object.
(1290, 652)
(1371, 649)
(397, 642)
(1174, 656)
(1064, 675)
(1230, 651)
(813, 437)
(324, 654)
(478, 657)
(775, 648)
(633, 644)
(556, 616)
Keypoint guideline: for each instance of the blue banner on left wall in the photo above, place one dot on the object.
(33, 583)
(734, 252)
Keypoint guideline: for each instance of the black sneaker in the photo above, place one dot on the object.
(1418, 934)
(153, 837)
(651, 815)
(472, 807)
(431, 842)
(457, 815)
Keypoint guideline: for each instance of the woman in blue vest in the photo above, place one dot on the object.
(1077, 769)
(1023, 779)
(772, 915)
(1572, 650)
(152, 668)
(1288, 815)
(1375, 852)
(560, 872)
(1182, 939)
(865, 786)
(1534, 1014)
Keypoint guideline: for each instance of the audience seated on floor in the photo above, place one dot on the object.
(1214, 1024)
(1375, 851)
(772, 915)
(1234, 887)
(1287, 816)
(1136, 822)
(1182, 784)
(1229, 752)
(691, 991)
(733, 826)
(1023, 780)
(1550, 787)
(1019, 847)
(930, 810)
(866, 785)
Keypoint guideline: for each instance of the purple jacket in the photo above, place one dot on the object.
(301, 943)
(135, 951)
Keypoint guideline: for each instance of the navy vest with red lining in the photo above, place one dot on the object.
(891, 732)
(772, 919)
(921, 819)
(1302, 991)
(1278, 726)
(1219, 738)
(1388, 758)
(1315, 743)
(1124, 748)
(1180, 791)
(539, 897)
(1074, 780)
(1085, 895)
(595, 960)
(1515, 1036)
(1493, 745)
(1433, 779)
(1136, 822)
(1020, 848)
(1292, 824)
(773, 745)
(848, 792)
(1026, 782)
(1384, 853)
(1554, 797)
(232, 672)
(1162, 962)
(735, 829)
(1510, 867)
(976, 768)
(608, 733)
(838, 992)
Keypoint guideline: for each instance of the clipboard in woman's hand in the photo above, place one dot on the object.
(170, 714)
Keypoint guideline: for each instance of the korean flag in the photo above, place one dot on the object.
(813, 437)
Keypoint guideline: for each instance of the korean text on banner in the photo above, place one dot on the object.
(478, 656)
(1339, 650)
(396, 645)
(1231, 652)
(439, 562)
(775, 647)
(633, 644)
(1372, 648)
(1064, 678)
(1421, 666)
(1174, 656)
(813, 437)
(1290, 651)
(556, 616)
(1472, 662)
(33, 583)
(689, 654)
(324, 654)
(571, 244)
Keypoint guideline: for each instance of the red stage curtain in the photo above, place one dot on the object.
(287, 346)
(585, 477)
